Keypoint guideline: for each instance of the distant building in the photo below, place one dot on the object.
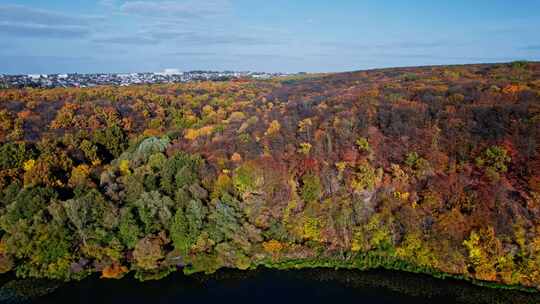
(90, 80)
(171, 72)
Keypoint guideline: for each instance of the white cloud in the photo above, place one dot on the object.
(128, 39)
(21, 21)
(44, 31)
(107, 3)
(24, 14)
(177, 9)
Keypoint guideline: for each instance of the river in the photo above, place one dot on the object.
(279, 287)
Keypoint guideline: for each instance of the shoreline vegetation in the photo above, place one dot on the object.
(389, 264)
(432, 170)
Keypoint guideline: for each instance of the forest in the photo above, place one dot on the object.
(429, 169)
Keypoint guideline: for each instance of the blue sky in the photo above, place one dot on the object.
(61, 36)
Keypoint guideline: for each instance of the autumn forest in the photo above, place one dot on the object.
(432, 170)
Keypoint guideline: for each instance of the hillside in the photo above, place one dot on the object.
(431, 169)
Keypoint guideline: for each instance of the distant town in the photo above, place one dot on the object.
(91, 80)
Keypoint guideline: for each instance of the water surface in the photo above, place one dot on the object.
(279, 287)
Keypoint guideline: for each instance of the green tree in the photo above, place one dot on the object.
(28, 203)
(128, 229)
(179, 171)
(224, 223)
(186, 226)
(13, 155)
(154, 211)
(311, 188)
(496, 158)
(90, 214)
(112, 138)
(148, 252)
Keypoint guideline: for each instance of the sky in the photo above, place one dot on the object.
(121, 36)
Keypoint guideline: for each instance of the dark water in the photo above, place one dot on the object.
(279, 287)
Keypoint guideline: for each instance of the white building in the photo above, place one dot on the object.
(170, 72)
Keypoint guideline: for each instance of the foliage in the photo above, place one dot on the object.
(363, 144)
(496, 158)
(148, 252)
(224, 224)
(79, 175)
(311, 229)
(89, 214)
(273, 128)
(273, 246)
(186, 226)
(311, 189)
(151, 146)
(13, 155)
(193, 134)
(427, 170)
(519, 64)
(179, 171)
(154, 211)
(484, 252)
(418, 164)
(128, 229)
(114, 271)
(27, 203)
(112, 138)
(305, 148)
(90, 150)
(366, 177)
(247, 178)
